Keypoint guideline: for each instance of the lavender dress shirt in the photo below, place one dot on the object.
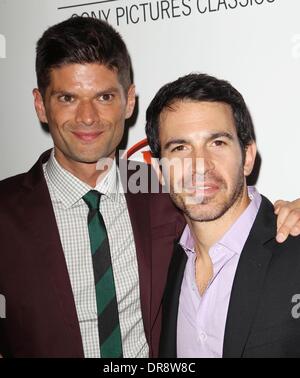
(202, 319)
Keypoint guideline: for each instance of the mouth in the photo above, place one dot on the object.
(205, 189)
(87, 137)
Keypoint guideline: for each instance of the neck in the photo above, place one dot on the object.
(89, 175)
(206, 234)
(85, 172)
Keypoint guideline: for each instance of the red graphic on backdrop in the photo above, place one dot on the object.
(142, 148)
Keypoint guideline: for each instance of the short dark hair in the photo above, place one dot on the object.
(199, 87)
(81, 40)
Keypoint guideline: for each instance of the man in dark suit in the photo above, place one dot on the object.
(48, 275)
(232, 290)
(53, 236)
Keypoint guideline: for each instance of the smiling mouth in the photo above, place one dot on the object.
(204, 190)
(87, 137)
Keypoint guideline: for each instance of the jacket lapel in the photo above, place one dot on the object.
(42, 226)
(168, 341)
(248, 282)
(138, 208)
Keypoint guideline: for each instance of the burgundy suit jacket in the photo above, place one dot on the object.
(41, 318)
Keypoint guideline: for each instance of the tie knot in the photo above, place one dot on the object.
(92, 199)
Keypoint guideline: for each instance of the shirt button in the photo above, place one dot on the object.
(202, 336)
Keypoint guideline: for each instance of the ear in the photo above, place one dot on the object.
(130, 101)
(250, 158)
(39, 106)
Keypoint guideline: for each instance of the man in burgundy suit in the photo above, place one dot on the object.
(48, 274)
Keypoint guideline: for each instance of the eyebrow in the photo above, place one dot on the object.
(174, 141)
(99, 93)
(61, 92)
(220, 135)
(108, 90)
(210, 138)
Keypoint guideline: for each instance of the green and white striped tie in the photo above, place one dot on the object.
(107, 306)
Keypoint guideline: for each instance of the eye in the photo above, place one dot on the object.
(219, 143)
(106, 97)
(181, 147)
(66, 98)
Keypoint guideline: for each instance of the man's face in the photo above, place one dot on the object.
(85, 107)
(209, 171)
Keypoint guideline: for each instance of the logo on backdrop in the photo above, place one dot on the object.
(140, 151)
(132, 12)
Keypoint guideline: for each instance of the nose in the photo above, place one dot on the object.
(202, 161)
(86, 113)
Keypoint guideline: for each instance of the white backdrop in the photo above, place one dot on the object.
(255, 44)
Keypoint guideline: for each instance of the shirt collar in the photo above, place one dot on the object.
(235, 238)
(111, 186)
(70, 189)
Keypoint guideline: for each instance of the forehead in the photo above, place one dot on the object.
(83, 75)
(197, 116)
